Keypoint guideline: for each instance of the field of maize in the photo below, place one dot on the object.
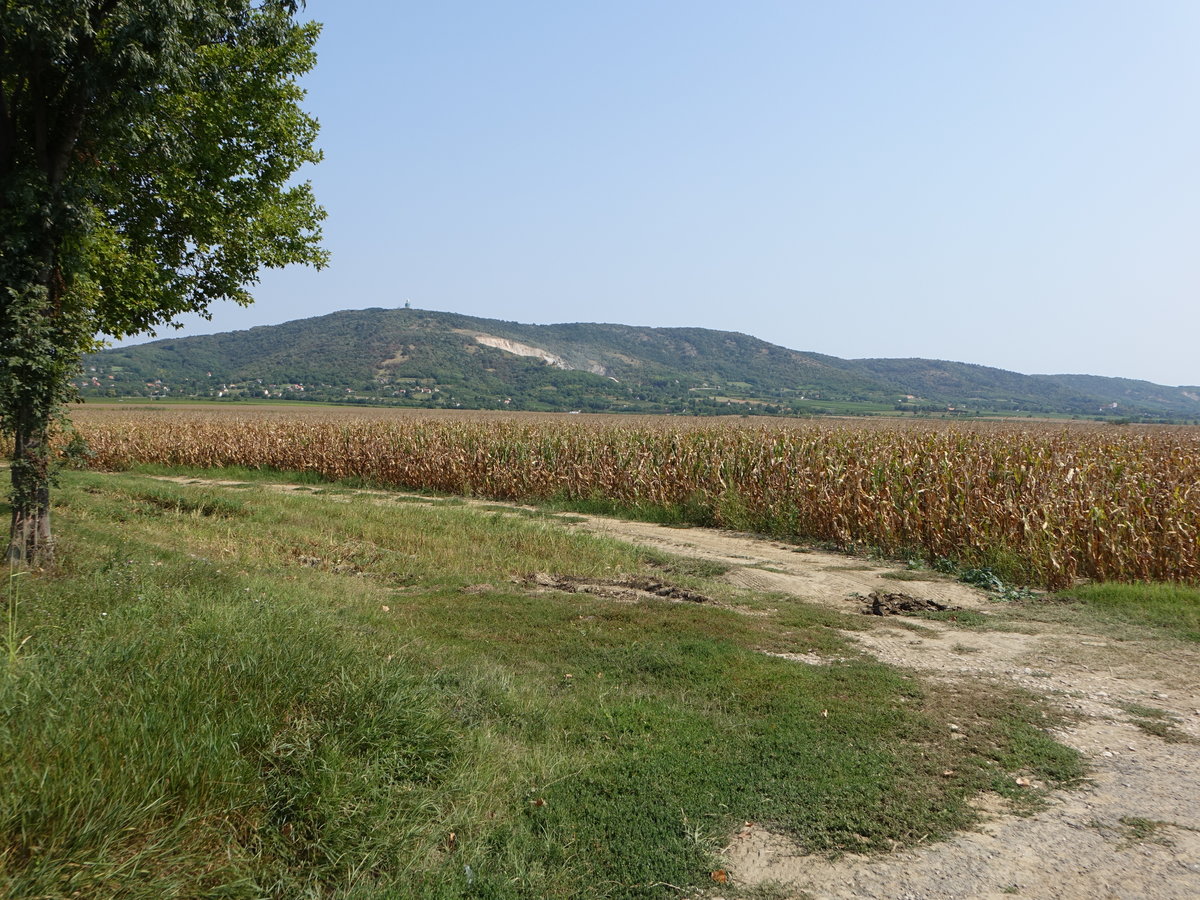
(1039, 502)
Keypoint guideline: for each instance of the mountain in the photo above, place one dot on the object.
(416, 357)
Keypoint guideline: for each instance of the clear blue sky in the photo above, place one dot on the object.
(1014, 183)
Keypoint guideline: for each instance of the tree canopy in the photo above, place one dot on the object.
(147, 158)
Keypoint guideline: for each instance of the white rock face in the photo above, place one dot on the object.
(519, 349)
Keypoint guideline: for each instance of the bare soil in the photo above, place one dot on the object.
(1132, 831)
(627, 589)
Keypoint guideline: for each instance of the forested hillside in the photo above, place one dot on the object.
(420, 358)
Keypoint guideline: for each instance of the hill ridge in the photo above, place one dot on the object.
(416, 357)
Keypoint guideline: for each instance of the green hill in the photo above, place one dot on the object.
(420, 358)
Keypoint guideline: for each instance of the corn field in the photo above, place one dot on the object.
(1042, 503)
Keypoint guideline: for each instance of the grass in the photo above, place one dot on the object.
(1130, 831)
(1170, 609)
(964, 618)
(13, 642)
(246, 693)
(905, 575)
(1141, 711)
(1139, 830)
(1157, 722)
(1165, 730)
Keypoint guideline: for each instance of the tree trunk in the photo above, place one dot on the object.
(30, 541)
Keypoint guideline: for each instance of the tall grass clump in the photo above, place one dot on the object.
(199, 740)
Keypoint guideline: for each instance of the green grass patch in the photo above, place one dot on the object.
(907, 575)
(1145, 712)
(161, 499)
(1157, 722)
(1135, 830)
(315, 696)
(686, 566)
(530, 513)
(1164, 730)
(964, 618)
(1171, 609)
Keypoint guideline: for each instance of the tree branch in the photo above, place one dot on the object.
(58, 158)
(8, 140)
(61, 159)
(102, 11)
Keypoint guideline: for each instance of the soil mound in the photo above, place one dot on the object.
(895, 604)
(628, 588)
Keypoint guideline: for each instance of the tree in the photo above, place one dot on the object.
(147, 154)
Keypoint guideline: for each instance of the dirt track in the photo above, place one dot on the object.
(1132, 832)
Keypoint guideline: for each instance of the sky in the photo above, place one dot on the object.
(1014, 183)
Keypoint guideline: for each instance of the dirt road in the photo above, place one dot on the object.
(1132, 832)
